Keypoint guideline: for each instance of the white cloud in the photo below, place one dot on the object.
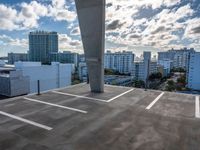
(159, 31)
(59, 4)
(28, 14)
(7, 18)
(169, 3)
(67, 43)
(75, 31)
(145, 3)
(31, 13)
(59, 11)
(192, 31)
(9, 41)
(9, 44)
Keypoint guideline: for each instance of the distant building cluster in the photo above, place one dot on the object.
(14, 57)
(43, 47)
(178, 58)
(53, 68)
(142, 69)
(119, 61)
(188, 59)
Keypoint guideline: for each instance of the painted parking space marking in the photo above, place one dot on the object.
(96, 99)
(116, 86)
(197, 111)
(119, 95)
(26, 121)
(56, 105)
(154, 101)
(84, 97)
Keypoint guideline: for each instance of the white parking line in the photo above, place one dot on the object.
(119, 95)
(154, 101)
(56, 105)
(26, 121)
(116, 86)
(85, 97)
(197, 111)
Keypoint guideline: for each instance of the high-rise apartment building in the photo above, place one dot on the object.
(138, 71)
(142, 69)
(41, 45)
(193, 75)
(119, 61)
(180, 58)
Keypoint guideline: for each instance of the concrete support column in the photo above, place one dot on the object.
(91, 16)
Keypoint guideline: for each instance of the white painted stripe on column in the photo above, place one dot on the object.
(85, 97)
(119, 95)
(26, 121)
(154, 101)
(197, 111)
(56, 105)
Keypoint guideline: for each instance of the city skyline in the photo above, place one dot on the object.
(137, 26)
(52, 97)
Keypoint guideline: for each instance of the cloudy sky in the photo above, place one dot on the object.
(133, 25)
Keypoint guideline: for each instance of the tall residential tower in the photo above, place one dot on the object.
(41, 45)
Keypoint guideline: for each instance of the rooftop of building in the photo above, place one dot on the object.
(179, 50)
(42, 32)
(120, 118)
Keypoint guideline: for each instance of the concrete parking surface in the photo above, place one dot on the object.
(119, 119)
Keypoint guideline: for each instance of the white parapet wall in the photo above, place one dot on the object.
(50, 76)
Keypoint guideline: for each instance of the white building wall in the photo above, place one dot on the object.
(194, 71)
(138, 71)
(50, 76)
(153, 68)
(166, 64)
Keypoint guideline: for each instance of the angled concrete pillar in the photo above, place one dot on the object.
(91, 16)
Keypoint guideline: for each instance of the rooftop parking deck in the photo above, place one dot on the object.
(120, 119)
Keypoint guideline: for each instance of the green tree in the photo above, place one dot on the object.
(139, 83)
(178, 70)
(182, 80)
(109, 72)
(154, 76)
(171, 86)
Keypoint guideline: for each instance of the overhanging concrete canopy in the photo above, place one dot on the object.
(91, 15)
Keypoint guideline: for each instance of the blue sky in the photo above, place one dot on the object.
(133, 25)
